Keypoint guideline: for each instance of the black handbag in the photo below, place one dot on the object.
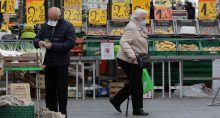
(143, 60)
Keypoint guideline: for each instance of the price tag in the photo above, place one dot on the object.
(8, 6)
(162, 3)
(120, 11)
(143, 4)
(74, 16)
(163, 14)
(35, 13)
(72, 2)
(207, 9)
(97, 16)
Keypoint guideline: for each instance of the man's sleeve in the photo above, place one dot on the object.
(69, 42)
(39, 37)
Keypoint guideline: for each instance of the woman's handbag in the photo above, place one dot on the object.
(143, 60)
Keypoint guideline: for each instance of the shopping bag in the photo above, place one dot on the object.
(148, 85)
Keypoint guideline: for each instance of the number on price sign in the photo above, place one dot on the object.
(72, 2)
(8, 6)
(35, 13)
(163, 14)
(97, 16)
(74, 16)
(207, 9)
(143, 4)
(162, 3)
(120, 11)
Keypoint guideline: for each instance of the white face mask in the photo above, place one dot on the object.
(52, 23)
(143, 23)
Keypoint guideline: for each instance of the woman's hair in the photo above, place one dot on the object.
(138, 12)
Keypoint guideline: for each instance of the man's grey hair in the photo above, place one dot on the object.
(58, 11)
(138, 12)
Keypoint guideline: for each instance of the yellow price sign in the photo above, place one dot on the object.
(8, 6)
(35, 13)
(72, 2)
(120, 11)
(98, 16)
(143, 4)
(163, 3)
(207, 9)
(74, 16)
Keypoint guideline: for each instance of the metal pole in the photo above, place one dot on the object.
(77, 80)
(181, 78)
(83, 79)
(163, 80)
(6, 72)
(93, 63)
(169, 74)
(152, 76)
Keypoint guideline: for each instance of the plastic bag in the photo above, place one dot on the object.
(148, 85)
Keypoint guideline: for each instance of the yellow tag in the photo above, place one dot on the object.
(35, 13)
(143, 4)
(72, 2)
(8, 6)
(162, 3)
(98, 16)
(74, 16)
(207, 9)
(120, 11)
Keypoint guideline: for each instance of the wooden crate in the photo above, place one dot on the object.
(21, 90)
(26, 60)
(115, 87)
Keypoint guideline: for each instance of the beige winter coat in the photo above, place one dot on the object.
(133, 42)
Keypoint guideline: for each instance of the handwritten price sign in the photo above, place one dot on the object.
(163, 14)
(74, 16)
(120, 11)
(97, 16)
(162, 3)
(35, 13)
(207, 9)
(143, 4)
(72, 2)
(8, 6)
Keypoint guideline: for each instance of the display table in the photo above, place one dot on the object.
(37, 69)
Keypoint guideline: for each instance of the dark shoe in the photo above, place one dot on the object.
(140, 113)
(117, 107)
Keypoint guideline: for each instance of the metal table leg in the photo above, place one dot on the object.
(37, 94)
(6, 86)
(152, 77)
(94, 75)
(83, 80)
(169, 74)
(163, 81)
(77, 80)
(181, 78)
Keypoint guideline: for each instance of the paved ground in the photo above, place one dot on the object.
(158, 108)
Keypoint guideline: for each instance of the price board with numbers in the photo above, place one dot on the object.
(35, 13)
(74, 16)
(163, 14)
(72, 2)
(163, 3)
(8, 6)
(120, 10)
(143, 4)
(207, 9)
(98, 16)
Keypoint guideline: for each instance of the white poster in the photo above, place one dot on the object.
(107, 51)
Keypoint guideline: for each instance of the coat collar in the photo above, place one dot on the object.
(138, 25)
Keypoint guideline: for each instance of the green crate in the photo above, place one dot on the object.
(17, 112)
(151, 48)
(189, 42)
(208, 44)
(165, 53)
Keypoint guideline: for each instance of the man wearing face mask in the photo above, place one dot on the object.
(133, 42)
(58, 37)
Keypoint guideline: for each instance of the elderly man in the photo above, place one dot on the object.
(133, 42)
(61, 38)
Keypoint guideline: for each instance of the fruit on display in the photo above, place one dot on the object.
(97, 32)
(188, 47)
(211, 49)
(165, 46)
(167, 31)
(4, 27)
(117, 32)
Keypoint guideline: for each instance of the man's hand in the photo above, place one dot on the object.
(41, 44)
(48, 45)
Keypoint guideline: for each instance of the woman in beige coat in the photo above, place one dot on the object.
(133, 42)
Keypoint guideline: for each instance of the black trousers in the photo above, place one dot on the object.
(56, 81)
(136, 90)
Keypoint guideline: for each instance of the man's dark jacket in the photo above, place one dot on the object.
(62, 37)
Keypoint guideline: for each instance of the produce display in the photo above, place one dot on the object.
(167, 31)
(116, 32)
(188, 47)
(97, 32)
(165, 46)
(211, 49)
(4, 27)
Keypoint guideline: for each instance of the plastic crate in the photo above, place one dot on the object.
(163, 25)
(189, 42)
(151, 48)
(209, 44)
(17, 112)
(96, 30)
(116, 28)
(180, 23)
(165, 53)
(208, 27)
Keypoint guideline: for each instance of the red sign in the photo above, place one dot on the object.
(163, 14)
